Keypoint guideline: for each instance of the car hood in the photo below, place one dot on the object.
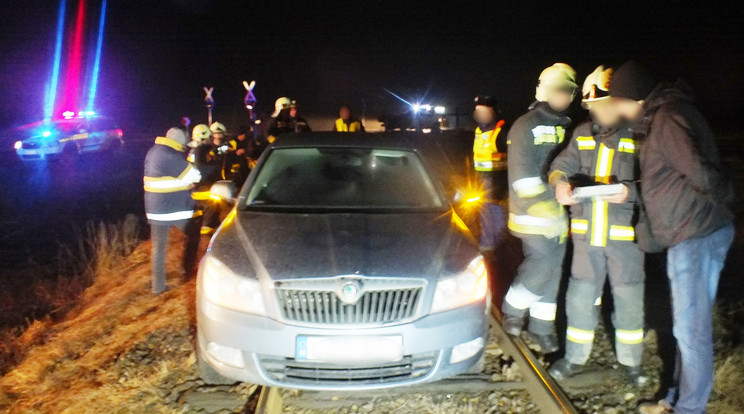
(286, 246)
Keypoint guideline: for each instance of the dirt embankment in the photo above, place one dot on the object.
(118, 350)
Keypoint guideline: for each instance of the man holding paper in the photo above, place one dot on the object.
(596, 176)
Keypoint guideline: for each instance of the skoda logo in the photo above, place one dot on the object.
(350, 292)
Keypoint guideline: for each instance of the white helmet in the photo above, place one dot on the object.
(217, 127)
(200, 134)
(281, 103)
(558, 75)
(596, 86)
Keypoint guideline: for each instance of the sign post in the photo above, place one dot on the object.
(209, 101)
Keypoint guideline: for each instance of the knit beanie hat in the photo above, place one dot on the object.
(631, 81)
(177, 134)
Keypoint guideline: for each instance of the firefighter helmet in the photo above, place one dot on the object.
(200, 134)
(217, 128)
(281, 103)
(597, 85)
(560, 75)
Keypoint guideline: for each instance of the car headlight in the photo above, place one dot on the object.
(18, 145)
(223, 287)
(469, 286)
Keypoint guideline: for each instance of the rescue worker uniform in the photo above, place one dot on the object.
(348, 125)
(536, 218)
(280, 124)
(490, 169)
(206, 159)
(168, 181)
(603, 236)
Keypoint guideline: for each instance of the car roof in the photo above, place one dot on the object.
(345, 139)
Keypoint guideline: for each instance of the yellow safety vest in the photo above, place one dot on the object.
(353, 126)
(486, 155)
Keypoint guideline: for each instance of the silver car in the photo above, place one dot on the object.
(342, 266)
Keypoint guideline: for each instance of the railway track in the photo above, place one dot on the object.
(543, 391)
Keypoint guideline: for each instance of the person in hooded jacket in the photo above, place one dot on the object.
(534, 214)
(686, 197)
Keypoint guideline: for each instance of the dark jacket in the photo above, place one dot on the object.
(168, 181)
(533, 141)
(596, 156)
(685, 192)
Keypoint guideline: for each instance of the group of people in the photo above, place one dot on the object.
(642, 175)
(177, 187)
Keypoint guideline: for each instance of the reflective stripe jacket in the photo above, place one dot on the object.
(168, 181)
(596, 156)
(486, 154)
(351, 125)
(534, 140)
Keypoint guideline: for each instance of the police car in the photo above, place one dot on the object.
(74, 134)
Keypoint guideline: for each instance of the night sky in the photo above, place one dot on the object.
(159, 54)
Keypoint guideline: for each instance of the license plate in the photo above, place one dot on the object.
(349, 349)
(30, 152)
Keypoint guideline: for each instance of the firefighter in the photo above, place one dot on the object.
(168, 181)
(297, 122)
(280, 122)
(243, 149)
(534, 214)
(489, 161)
(601, 151)
(346, 122)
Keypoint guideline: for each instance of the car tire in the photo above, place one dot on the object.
(209, 375)
(69, 154)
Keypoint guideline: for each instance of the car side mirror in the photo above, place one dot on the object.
(224, 190)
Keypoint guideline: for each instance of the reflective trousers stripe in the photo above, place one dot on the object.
(629, 337)
(579, 336)
(543, 311)
(520, 297)
(175, 216)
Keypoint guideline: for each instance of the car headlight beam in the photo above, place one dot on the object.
(469, 286)
(225, 288)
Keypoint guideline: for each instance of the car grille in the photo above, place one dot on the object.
(30, 145)
(291, 371)
(374, 307)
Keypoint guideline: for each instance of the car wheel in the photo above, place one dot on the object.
(209, 375)
(69, 154)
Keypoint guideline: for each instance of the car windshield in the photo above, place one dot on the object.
(343, 178)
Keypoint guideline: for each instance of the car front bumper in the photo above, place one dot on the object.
(267, 349)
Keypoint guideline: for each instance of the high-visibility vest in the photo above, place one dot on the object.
(486, 155)
(353, 126)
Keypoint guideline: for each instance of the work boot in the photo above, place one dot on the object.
(563, 369)
(636, 376)
(548, 343)
(661, 407)
(513, 324)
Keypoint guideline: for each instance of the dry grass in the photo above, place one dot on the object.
(728, 383)
(76, 365)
